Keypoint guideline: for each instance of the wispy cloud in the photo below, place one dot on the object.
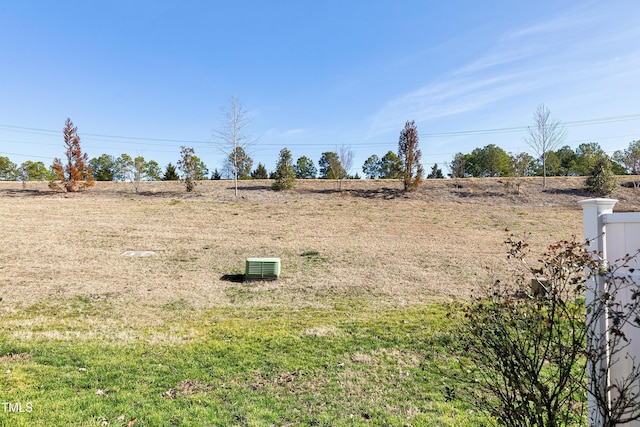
(457, 95)
(283, 134)
(532, 59)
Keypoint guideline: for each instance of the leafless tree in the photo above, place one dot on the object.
(232, 135)
(544, 136)
(345, 157)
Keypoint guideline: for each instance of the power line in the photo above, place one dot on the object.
(575, 123)
(157, 142)
(524, 128)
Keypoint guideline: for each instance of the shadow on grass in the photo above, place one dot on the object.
(29, 192)
(377, 193)
(235, 278)
(241, 278)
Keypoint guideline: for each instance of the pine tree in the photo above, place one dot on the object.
(260, 172)
(170, 173)
(285, 174)
(75, 175)
(601, 180)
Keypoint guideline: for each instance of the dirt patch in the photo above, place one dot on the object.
(15, 358)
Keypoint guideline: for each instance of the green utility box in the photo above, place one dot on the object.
(262, 268)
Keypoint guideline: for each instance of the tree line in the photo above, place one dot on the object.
(544, 138)
(488, 161)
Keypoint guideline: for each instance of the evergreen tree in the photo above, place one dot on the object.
(390, 166)
(239, 163)
(8, 170)
(170, 173)
(436, 172)
(305, 169)
(75, 174)
(601, 180)
(330, 166)
(372, 167)
(36, 171)
(260, 172)
(103, 167)
(285, 174)
(216, 175)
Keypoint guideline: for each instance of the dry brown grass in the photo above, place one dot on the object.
(368, 245)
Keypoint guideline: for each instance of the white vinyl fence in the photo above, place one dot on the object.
(614, 236)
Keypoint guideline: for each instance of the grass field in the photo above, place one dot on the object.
(355, 331)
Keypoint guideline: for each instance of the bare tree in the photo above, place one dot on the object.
(232, 134)
(345, 156)
(544, 137)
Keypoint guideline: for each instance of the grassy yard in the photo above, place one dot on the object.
(355, 331)
(354, 366)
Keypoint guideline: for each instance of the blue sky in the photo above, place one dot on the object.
(145, 77)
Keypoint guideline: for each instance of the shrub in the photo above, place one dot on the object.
(601, 180)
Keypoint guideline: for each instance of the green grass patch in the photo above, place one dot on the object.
(242, 367)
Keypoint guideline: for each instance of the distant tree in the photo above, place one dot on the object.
(215, 175)
(587, 154)
(8, 170)
(170, 173)
(372, 167)
(104, 168)
(629, 158)
(285, 174)
(344, 164)
(391, 166)
(490, 161)
(601, 180)
(188, 164)
(305, 169)
(435, 173)
(568, 160)
(136, 170)
(153, 171)
(522, 164)
(260, 172)
(75, 174)
(544, 136)
(36, 171)
(202, 172)
(124, 168)
(233, 138)
(330, 166)
(346, 156)
(410, 154)
(239, 163)
(460, 166)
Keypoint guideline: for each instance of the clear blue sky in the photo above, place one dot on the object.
(144, 77)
